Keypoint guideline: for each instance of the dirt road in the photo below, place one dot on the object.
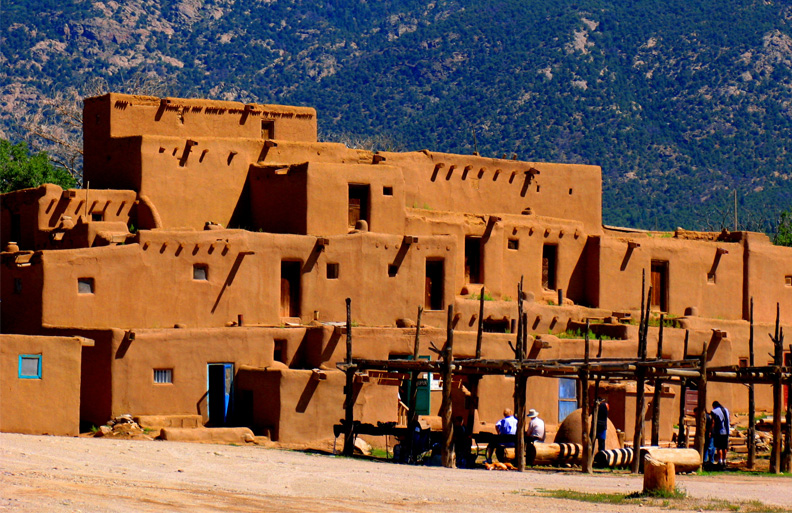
(54, 474)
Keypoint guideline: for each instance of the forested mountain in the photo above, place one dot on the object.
(681, 101)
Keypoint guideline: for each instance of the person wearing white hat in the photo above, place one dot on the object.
(536, 427)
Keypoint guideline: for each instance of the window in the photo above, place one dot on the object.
(332, 271)
(570, 192)
(201, 272)
(387, 191)
(30, 366)
(17, 285)
(435, 276)
(85, 285)
(279, 350)
(163, 375)
(788, 281)
(513, 244)
(567, 397)
(392, 270)
(267, 129)
(743, 362)
(710, 277)
(97, 216)
(474, 260)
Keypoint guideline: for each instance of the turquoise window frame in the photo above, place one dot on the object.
(30, 376)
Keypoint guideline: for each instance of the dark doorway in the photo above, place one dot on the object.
(473, 260)
(220, 379)
(290, 288)
(434, 284)
(660, 285)
(549, 265)
(358, 204)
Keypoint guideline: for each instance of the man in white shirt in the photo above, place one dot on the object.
(536, 427)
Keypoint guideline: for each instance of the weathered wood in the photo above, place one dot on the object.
(685, 460)
(349, 393)
(640, 373)
(698, 443)
(658, 388)
(473, 381)
(585, 426)
(544, 454)
(751, 396)
(682, 436)
(786, 457)
(447, 443)
(413, 401)
(775, 453)
(520, 383)
(658, 476)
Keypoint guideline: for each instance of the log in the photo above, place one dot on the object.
(349, 392)
(751, 397)
(685, 460)
(447, 451)
(659, 476)
(614, 458)
(549, 454)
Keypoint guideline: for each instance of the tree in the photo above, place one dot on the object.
(783, 236)
(20, 170)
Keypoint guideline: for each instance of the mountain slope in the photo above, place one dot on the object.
(680, 102)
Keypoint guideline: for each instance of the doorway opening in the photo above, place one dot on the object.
(220, 380)
(290, 288)
(358, 208)
(473, 260)
(659, 298)
(434, 285)
(549, 266)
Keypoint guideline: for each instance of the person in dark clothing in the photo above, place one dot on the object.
(602, 424)
(462, 444)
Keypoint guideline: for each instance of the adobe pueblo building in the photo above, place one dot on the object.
(200, 277)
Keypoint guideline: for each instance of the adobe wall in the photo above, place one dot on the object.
(486, 186)
(689, 263)
(502, 267)
(49, 405)
(321, 192)
(308, 408)
(21, 289)
(768, 280)
(134, 282)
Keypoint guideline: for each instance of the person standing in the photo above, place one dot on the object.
(721, 427)
(602, 424)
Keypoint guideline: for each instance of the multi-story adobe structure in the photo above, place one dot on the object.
(202, 271)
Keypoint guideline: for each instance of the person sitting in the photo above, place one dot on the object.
(505, 426)
(536, 427)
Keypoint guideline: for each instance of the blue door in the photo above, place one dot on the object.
(220, 380)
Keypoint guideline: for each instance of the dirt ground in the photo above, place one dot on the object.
(55, 474)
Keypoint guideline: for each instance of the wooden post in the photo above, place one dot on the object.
(584, 398)
(595, 411)
(682, 435)
(701, 421)
(447, 446)
(658, 387)
(751, 396)
(640, 373)
(412, 420)
(349, 392)
(473, 381)
(786, 457)
(522, 380)
(775, 453)
(659, 476)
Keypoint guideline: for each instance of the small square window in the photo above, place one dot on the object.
(570, 192)
(30, 366)
(267, 129)
(392, 270)
(514, 244)
(279, 351)
(743, 362)
(17, 285)
(85, 285)
(387, 191)
(200, 272)
(332, 271)
(788, 281)
(538, 188)
(97, 216)
(163, 375)
(710, 277)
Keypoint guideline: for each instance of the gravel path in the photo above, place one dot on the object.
(55, 474)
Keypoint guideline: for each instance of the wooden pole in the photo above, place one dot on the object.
(412, 421)
(584, 381)
(349, 418)
(701, 421)
(522, 380)
(640, 373)
(658, 387)
(786, 457)
(447, 446)
(751, 396)
(775, 453)
(682, 433)
(595, 412)
(474, 380)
